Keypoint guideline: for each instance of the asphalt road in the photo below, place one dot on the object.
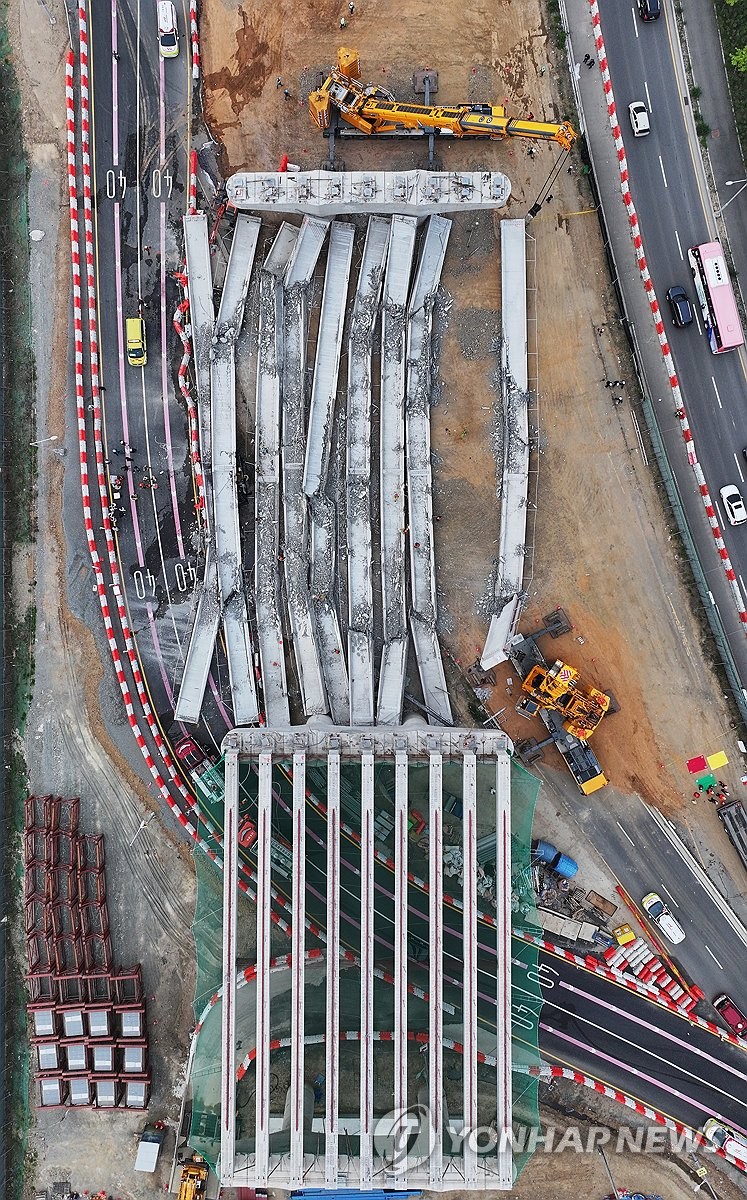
(141, 121)
(585, 1022)
(668, 186)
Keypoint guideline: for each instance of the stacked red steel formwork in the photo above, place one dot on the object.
(87, 1020)
(639, 959)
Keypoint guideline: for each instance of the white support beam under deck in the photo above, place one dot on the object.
(228, 1011)
(367, 965)
(264, 952)
(469, 950)
(298, 902)
(503, 966)
(436, 976)
(332, 1040)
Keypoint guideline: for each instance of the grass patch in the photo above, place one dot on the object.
(18, 629)
(732, 23)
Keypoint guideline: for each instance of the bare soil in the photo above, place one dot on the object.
(602, 544)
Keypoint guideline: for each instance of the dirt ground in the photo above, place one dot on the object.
(602, 545)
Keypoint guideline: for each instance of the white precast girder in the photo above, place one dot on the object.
(305, 644)
(262, 1033)
(358, 473)
(436, 965)
(202, 637)
(469, 945)
(392, 468)
(419, 477)
(332, 194)
(400, 944)
(367, 961)
(332, 1045)
(234, 614)
(201, 318)
(328, 349)
(228, 1011)
(323, 584)
(267, 503)
(298, 994)
(503, 966)
(514, 484)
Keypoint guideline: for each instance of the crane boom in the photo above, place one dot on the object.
(373, 110)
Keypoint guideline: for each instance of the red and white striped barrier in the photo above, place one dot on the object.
(186, 391)
(192, 182)
(194, 38)
(656, 313)
(101, 585)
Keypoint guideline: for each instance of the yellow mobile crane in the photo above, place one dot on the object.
(374, 110)
(559, 687)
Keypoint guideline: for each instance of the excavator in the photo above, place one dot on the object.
(557, 688)
(373, 110)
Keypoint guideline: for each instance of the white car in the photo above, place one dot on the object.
(639, 118)
(661, 916)
(731, 497)
(726, 1139)
(168, 30)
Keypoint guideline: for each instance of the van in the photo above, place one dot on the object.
(135, 334)
(649, 10)
(168, 30)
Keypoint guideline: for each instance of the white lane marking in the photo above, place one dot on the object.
(648, 98)
(671, 897)
(663, 1033)
(713, 381)
(619, 826)
(722, 527)
(744, 589)
(736, 460)
(635, 22)
(713, 956)
(663, 175)
(679, 245)
(694, 868)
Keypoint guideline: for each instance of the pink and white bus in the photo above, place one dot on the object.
(716, 297)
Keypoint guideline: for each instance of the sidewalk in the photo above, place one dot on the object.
(637, 314)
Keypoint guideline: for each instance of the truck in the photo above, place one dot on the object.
(193, 1181)
(734, 820)
(569, 712)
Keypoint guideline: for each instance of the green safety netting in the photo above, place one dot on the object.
(204, 1082)
(526, 995)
